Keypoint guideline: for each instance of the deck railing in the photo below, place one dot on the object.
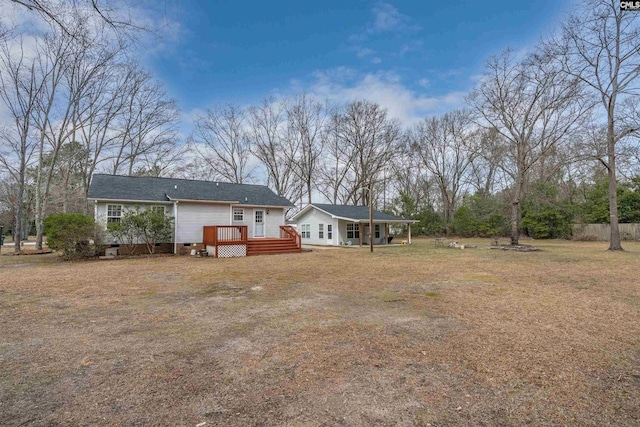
(289, 232)
(218, 235)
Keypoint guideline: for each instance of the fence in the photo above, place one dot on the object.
(603, 231)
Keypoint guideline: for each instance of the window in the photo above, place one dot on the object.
(377, 231)
(159, 209)
(305, 230)
(329, 231)
(353, 230)
(238, 214)
(114, 213)
(320, 231)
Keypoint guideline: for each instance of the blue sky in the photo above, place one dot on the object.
(415, 58)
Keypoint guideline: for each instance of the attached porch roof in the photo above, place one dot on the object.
(353, 213)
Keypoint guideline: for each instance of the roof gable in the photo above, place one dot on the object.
(147, 188)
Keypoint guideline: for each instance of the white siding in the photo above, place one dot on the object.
(365, 234)
(101, 213)
(342, 233)
(314, 217)
(272, 220)
(101, 217)
(192, 217)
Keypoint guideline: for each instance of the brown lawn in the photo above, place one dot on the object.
(407, 336)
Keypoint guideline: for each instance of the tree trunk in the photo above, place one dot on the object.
(515, 213)
(17, 227)
(614, 242)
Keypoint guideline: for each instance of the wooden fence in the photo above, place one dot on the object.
(603, 231)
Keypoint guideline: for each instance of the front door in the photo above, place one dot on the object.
(258, 226)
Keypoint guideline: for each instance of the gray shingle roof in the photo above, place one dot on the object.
(357, 212)
(142, 188)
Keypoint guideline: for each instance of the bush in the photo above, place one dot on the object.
(548, 223)
(429, 222)
(148, 226)
(154, 227)
(74, 234)
(481, 216)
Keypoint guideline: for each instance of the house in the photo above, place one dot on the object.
(326, 224)
(240, 213)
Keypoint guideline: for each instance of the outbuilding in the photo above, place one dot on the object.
(335, 225)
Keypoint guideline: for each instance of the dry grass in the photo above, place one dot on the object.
(407, 336)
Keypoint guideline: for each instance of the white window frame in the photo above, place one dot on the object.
(305, 231)
(330, 231)
(355, 230)
(111, 218)
(376, 231)
(236, 215)
(320, 231)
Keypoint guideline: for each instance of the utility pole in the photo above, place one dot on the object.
(371, 216)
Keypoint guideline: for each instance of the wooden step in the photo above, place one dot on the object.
(271, 240)
(268, 246)
(274, 252)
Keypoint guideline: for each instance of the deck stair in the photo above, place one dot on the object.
(271, 246)
(289, 241)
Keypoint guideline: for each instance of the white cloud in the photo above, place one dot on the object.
(376, 60)
(386, 88)
(386, 17)
(424, 82)
(363, 53)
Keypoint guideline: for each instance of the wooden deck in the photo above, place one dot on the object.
(289, 241)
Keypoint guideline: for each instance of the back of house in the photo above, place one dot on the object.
(193, 205)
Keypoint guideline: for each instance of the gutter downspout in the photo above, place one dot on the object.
(175, 227)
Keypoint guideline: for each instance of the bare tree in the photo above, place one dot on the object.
(371, 140)
(68, 66)
(147, 121)
(5, 32)
(600, 47)
(306, 120)
(411, 182)
(52, 65)
(533, 106)
(223, 137)
(98, 113)
(58, 13)
(486, 158)
(445, 146)
(20, 89)
(336, 163)
(271, 144)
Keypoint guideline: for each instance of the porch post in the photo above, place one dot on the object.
(409, 233)
(360, 231)
(386, 233)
